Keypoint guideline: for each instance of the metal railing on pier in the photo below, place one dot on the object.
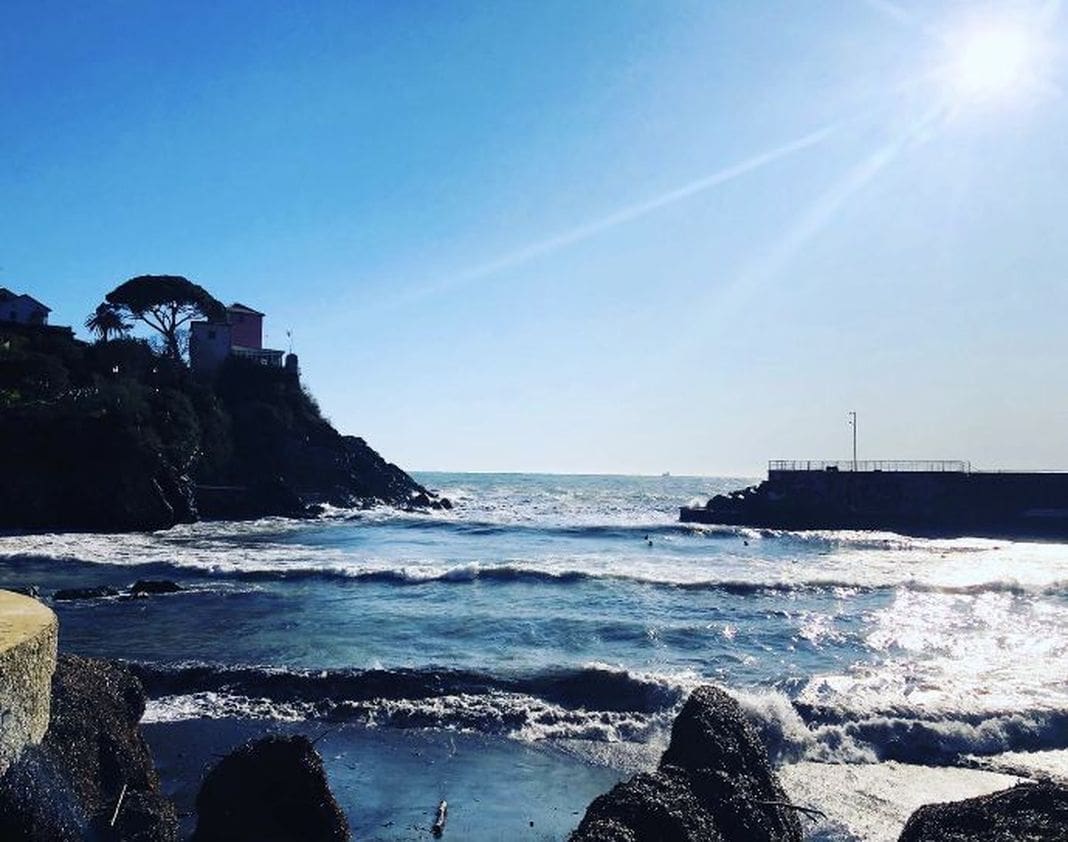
(869, 465)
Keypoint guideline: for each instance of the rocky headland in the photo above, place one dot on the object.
(115, 436)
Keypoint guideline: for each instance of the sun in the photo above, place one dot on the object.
(993, 59)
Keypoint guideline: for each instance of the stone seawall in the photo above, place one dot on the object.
(921, 502)
(28, 637)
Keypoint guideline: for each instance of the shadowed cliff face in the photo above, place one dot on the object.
(113, 437)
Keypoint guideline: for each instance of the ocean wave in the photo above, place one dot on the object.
(595, 703)
(479, 526)
(594, 687)
(275, 565)
(861, 539)
(513, 715)
(793, 732)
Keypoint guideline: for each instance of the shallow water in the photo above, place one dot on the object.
(574, 612)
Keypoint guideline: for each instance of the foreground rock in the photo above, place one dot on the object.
(714, 784)
(1030, 812)
(269, 790)
(67, 787)
(28, 633)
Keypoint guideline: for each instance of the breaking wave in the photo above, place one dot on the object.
(794, 731)
(551, 572)
(592, 703)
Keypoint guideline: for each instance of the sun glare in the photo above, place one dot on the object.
(994, 59)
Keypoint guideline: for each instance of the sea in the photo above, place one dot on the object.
(520, 654)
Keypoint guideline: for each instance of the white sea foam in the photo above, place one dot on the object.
(217, 705)
(946, 653)
(518, 716)
(871, 803)
(282, 547)
(1031, 764)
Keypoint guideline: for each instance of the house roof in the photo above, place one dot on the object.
(30, 298)
(8, 295)
(241, 308)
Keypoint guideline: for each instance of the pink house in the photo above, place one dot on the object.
(246, 326)
(241, 335)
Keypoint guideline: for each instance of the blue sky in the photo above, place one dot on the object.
(594, 236)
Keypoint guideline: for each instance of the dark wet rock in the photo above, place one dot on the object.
(1033, 811)
(650, 807)
(144, 817)
(714, 783)
(100, 592)
(154, 586)
(269, 790)
(67, 787)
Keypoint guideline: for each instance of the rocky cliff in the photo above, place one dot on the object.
(114, 437)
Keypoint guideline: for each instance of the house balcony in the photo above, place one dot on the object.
(261, 356)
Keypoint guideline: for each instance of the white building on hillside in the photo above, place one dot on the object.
(22, 309)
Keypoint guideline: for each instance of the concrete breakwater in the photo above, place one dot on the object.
(938, 502)
(28, 636)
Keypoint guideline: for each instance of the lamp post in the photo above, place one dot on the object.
(853, 424)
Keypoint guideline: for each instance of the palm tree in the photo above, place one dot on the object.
(106, 320)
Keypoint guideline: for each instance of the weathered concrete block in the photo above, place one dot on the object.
(28, 635)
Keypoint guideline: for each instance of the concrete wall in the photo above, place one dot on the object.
(28, 636)
(209, 345)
